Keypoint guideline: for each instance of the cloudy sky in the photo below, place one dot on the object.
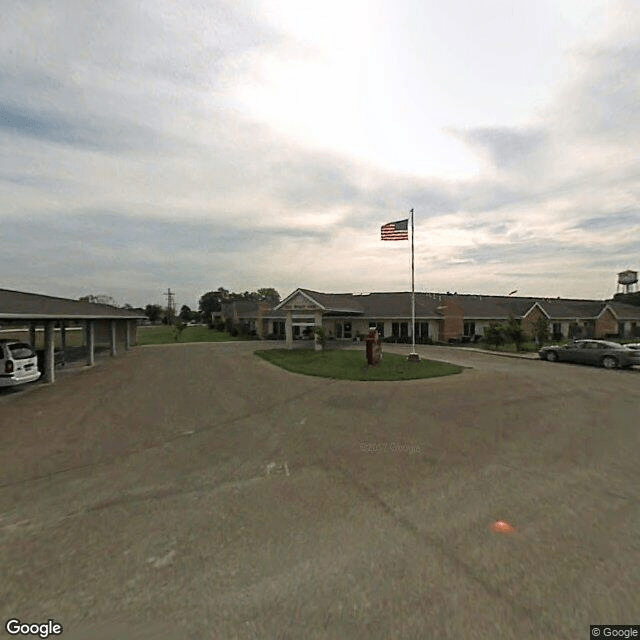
(194, 144)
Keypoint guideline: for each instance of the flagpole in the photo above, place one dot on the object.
(413, 356)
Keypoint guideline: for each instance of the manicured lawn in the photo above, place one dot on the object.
(352, 365)
(163, 334)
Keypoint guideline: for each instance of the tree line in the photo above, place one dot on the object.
(210, 302)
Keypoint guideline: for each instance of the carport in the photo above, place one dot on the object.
(100, 323)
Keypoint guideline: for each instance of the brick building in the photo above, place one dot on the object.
(439, 316)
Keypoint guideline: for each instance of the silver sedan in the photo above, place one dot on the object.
(610, 355)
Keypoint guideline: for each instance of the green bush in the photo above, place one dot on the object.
(515, 333)
(494, 334)
(178, 329)
(541, 330)
(320, 335)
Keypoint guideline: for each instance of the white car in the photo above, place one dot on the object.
(18, 363)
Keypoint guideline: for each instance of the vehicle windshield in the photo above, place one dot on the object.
(20, 350)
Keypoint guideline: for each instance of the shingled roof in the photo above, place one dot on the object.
(335, 301)
(380, 305)
(625, 311)
(18, 305)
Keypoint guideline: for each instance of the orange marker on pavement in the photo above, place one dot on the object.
(502, 527)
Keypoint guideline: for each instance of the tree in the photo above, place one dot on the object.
(209, 303)
(515, 332)
(185, 313)
(268, 294)
(153, 312)
(494, 334)
(541, 330)
(178, 329)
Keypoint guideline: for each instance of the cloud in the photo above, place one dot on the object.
(507, 148)
(125, 150)
(107, 135)
(627, 220)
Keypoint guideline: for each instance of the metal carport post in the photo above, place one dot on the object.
(49, 351)
(90, 341)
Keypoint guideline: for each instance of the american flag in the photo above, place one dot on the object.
(396, 230)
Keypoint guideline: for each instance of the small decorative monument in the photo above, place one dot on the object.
(374, 347)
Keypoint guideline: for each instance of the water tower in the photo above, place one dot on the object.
(628, 280)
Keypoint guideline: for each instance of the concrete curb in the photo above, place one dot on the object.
(522, 356)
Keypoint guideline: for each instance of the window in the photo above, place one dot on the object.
(404, 329)
(395, 329)
(380, 328)
(422, 329)
(469, 328)
(338, 330)
(347, 329)
(20, 351)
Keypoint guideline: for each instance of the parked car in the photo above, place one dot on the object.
(633, 345)
(610, 355)
(18, 363)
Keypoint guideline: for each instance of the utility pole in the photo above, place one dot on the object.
(171, 310)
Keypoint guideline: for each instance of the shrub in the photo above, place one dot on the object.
(178, 329)
(514, 332)
(541, 330)
(320, 335)
(243, 329)
(494, 334)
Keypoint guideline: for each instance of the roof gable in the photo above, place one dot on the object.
(535, 305)
(299, 300)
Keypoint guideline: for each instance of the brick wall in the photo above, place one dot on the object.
(452, 324)
(605, 324)
(529, 323)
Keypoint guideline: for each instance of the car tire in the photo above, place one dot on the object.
(609, 362)
(552, 356)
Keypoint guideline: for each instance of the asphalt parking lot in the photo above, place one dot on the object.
(196, 491)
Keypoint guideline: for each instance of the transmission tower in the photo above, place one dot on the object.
(171, 306)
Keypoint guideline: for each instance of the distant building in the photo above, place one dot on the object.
(439, 317)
